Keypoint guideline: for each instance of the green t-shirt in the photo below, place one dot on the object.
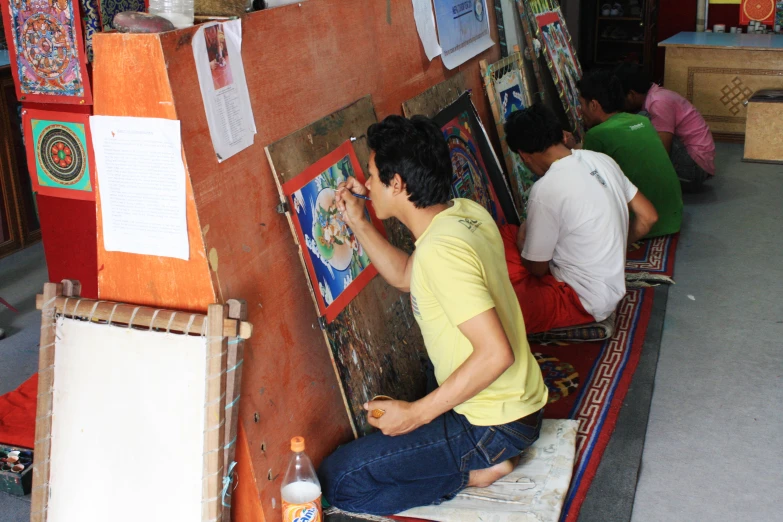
(633, 143)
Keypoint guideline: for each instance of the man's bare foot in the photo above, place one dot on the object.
(481, 478)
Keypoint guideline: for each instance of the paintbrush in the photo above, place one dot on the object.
(366, 198)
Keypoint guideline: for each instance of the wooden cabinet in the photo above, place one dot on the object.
(619, 31)
(18, 215)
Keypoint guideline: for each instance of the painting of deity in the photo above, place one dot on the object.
(337, 265)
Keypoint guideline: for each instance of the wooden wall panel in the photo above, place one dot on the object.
(130, 78)
(302, 62)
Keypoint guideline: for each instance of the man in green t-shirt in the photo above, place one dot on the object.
(634, 144)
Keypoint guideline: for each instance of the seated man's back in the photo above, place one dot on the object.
(682, 129)
(459, 271)
(580, 208)
(634, 144)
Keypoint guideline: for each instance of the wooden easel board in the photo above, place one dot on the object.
(375, 342)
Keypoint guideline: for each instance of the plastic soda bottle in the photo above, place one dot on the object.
(301, 491)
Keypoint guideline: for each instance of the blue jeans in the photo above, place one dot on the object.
(383, 475)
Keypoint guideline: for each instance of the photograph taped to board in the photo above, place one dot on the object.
(337, 265)
(477, 173)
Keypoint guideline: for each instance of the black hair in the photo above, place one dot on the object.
(603, 87)
(416, 150)
(534, 129)
(633, 78)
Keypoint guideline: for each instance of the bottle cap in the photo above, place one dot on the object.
(298, 444)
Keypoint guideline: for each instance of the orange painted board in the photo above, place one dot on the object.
(130, 79)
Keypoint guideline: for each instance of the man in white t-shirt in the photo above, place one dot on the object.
(572, 265)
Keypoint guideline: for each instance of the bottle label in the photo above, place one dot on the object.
(307, 512)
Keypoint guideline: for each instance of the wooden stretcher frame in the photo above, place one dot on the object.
(491, 72)
(63, 299)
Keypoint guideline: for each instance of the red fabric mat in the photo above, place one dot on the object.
(588, 382)
(17, 414)
(655, 256)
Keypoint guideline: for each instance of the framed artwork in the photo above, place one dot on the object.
(337, 265)
(507, 89)
(477, 172)
(59, 153)
(757, 10)
(50, 60)
(563, 64)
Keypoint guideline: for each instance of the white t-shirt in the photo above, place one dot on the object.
(577, 217)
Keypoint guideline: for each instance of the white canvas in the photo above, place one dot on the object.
(127, 426)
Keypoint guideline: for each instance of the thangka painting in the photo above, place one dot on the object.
(45, 39)
(477, 172)
(337, 264)
(563, 64)
(511, 96)
(59, 153)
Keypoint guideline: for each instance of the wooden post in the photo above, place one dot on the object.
(43, 415)
(214, 415)
(237, 309)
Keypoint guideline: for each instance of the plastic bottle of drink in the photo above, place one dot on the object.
(178, 12)
(301, 491)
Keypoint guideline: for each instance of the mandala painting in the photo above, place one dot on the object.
(477, 173)
(337, 264)
(46, 38)
(59, 153)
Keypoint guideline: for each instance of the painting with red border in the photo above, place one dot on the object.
(757, 11)
(59, 153)
(48, 51)
(337, 265)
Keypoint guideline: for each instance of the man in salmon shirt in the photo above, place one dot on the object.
(683, 131)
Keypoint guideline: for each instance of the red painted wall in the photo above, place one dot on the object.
(675, 16)
(68, 230)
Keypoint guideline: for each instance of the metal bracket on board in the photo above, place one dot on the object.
(322, 323)
(283, 207)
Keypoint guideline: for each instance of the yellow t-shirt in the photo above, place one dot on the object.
(459, 271)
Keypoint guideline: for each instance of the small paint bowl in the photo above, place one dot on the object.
(26, 454)
(12, 460)
(14, 453)
(18, 468)
(25, 461)
(5, 467)
(3, 454)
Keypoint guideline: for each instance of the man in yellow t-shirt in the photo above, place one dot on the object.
(487, 409)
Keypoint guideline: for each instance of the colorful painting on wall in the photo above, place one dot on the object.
(563, 64)
(45, 36)
(510, 93)
(337, 264)
(59, 153)
(757, 10)
(477, 172)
